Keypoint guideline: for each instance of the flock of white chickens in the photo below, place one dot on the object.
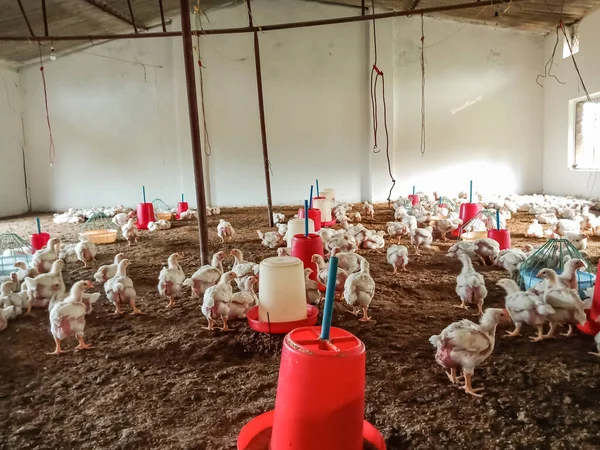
(462, 345)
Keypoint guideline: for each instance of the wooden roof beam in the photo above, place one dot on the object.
(116, 13)
(413, 4)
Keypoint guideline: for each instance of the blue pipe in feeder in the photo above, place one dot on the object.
(311, 195)
(471, 191)
(497, 219)
(306, 218)
(329, 294)
(413, 190)
(318, 195)
(39, 228)
(182, 198)
(144, 193)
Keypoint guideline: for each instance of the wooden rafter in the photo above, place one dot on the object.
(118, 14)
(413, 4)
(26, 18)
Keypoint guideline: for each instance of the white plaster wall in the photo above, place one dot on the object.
(558, 178)
(116, 129)
(483, 108)
(12, 179)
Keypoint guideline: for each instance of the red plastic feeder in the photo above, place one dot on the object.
(414, 198)
(181, 207)
(304, 247)
(312, 314)
(334, 418)
(502, 237)
(39, 240)
(592, 327)
(314, 214)
(466, 213)
(145, 214)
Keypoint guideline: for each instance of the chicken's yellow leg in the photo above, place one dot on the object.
(57, 350)
(82, 345)
(468, 388)
(516, 332)
(568, 333)
(540, 336)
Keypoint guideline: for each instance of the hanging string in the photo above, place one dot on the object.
(376, 74)
(52, 150)
(207, 146)
(562, 28)
(550, 64)
(422, 86)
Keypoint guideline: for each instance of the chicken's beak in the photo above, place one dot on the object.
(89, 285)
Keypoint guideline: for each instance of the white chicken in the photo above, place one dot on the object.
(14, 278)
(207, 275)
(511, 260)
(9, 298)
(373, 240)
(579, 240)
(121, 219)
(67, 318)
(359, 290)
(242, 301)
(159, 225)
(349, 261)
(323, 273)
(535, 230)
(470, 285)
(344, 242)
(282, 229)
(547, 218)
(486, 250)
(354, 216)
(597, 341)
(42, 259)
(85, 250)
(397, 256)
(466, 344)
(568, 278)
(284, 251)
(106, 272)
(313, 294)
(119, 289)
(565, 226)
(422, 237)
(525, 307)
(567, 305)
(368, 210)
(271, 239)
(278, 218)
(444, 226)
(216, 301)
(242, 268)
(24, 271)
(225, 231)
(5, 313)
(170, 279)
(397, 230)
(43, 287)
(130, 231)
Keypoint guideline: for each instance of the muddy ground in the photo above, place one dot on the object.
(160, 381)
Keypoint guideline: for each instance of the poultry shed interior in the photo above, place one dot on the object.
(308, 224)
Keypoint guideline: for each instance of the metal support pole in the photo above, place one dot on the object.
(190, 77)
(162, 15)
(45, 16)
(261, 111)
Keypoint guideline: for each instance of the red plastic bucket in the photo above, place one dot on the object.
(592, 327)
(145, 214)
(502, 237)
(39, 240)
(466, 213)
(181, 207)
(304, 247)
(414, 198)
(314, 214)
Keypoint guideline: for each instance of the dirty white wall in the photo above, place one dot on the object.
(558, 177)
(119, 125)
(12, 179)
(483, 110)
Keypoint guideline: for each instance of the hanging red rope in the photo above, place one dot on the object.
(376, 74)
(52, 152)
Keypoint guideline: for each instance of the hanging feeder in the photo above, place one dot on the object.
(99, 229)
(182, 207)
(553, 255)
(162, 211)
(477, 227)
(13, 249)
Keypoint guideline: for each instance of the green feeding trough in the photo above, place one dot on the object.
(554, 254)
(13, 249)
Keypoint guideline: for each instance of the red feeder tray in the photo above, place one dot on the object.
(466, 213)
(39, 240)
(502, 237)
(314, 214)
(334, 418)
(145, 214)
(181, 207)
(312, 314)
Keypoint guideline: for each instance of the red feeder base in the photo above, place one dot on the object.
(314, 214)
(331, 223)
(502, 237)
(39, 240)
(181, 207)
(414, 198)
(281, 327)
(256, 434)
(145, 215)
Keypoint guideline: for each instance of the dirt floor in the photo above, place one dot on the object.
(160, 381)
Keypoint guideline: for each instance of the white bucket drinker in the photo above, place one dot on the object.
(282, 296)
